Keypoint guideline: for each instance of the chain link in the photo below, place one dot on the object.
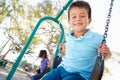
(107, 22)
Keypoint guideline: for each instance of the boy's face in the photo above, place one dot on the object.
(78, 19)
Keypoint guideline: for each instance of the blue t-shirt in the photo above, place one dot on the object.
(81, 53)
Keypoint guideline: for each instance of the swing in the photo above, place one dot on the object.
(99, 65)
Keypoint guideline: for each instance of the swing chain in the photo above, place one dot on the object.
(107, 22)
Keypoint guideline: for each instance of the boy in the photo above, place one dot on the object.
(82, 46)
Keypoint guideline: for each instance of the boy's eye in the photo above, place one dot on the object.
(73, 16)
(82, 15)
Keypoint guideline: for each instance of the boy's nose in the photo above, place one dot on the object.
(78, 19)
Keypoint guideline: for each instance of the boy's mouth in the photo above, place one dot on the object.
(78, 24)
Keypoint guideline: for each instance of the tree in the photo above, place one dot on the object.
(4, 10)
(16, 32)
(23, 17)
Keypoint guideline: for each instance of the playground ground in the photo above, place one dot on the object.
(19, 74)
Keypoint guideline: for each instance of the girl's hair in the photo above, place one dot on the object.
(43, 52)
(80, 4)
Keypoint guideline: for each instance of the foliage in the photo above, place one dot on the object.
(4, 11)
(21, 19)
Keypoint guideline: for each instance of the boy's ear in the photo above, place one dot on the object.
(68, 22)
(90, 20)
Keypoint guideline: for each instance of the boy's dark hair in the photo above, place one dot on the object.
(80, 4)
(43, 52)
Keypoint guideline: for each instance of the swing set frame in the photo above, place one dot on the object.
(100, 58)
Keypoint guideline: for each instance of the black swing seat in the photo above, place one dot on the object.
(47, 69)
(56, 61)
(98, 68)
(97, 71)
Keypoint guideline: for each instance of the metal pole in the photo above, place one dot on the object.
(15, 65)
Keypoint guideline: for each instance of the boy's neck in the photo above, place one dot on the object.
(79, 34)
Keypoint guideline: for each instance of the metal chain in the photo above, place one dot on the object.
(107, 22)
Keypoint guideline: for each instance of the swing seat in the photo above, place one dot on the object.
(98, 68)
(56, 61)
(97, 71)
(47, 69)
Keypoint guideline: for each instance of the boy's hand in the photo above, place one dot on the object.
(62, 47)
(103, 49)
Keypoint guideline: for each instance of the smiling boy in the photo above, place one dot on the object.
(82, 46)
